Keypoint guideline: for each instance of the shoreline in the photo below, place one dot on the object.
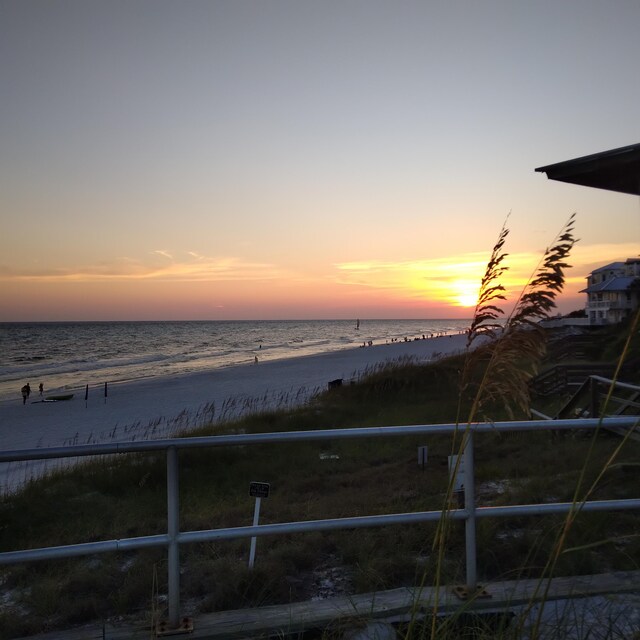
(161, 407)
(69, 356)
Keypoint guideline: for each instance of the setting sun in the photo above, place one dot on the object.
(465, 293)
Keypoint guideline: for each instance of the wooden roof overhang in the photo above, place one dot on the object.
(614, 170)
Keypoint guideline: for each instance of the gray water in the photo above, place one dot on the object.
(69, 355)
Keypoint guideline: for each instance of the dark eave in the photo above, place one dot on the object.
(615, 170)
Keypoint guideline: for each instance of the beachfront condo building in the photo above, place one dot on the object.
(613, 292)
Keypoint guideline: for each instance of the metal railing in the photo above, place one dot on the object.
(173, 538)
(610, 304)
(595, 395)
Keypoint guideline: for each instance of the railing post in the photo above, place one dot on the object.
(595, 398)
(173, 528)
(470, 508)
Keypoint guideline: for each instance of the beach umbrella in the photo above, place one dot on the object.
(86, 396)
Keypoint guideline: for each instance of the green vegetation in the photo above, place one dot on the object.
(125, 496)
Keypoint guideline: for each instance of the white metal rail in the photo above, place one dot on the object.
(174, 537)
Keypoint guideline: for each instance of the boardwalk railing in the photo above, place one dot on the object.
(598, 396)
(569, 377)
(173, 538)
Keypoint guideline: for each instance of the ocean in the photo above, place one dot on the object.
(70, 355)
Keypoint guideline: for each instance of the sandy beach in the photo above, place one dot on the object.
(161, 407)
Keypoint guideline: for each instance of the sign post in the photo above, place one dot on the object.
(257, 490)
(422, 457)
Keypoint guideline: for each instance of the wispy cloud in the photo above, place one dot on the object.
(450, 279)
(161, 252)
(447, 280)
(443, 279)
(161, 266)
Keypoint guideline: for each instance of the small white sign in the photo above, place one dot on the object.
(458, 483)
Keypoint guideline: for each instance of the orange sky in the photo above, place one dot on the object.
(301, 160)
(198, 288)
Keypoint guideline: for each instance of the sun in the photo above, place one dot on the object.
(465, 293)
(467, 300)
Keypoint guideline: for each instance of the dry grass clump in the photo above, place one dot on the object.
(517, 345)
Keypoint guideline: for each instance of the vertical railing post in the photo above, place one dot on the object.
(470, 508)
(594, 409)
(173, 528)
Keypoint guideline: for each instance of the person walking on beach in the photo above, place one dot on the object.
(41, 388)
(25, 393)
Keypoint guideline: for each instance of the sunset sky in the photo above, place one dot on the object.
(293, 159)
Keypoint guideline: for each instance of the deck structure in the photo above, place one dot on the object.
(394, 606)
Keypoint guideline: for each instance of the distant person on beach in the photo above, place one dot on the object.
(255, 360)
(25, 393)
(41, 388)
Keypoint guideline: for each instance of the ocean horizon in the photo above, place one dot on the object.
(68, 355)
